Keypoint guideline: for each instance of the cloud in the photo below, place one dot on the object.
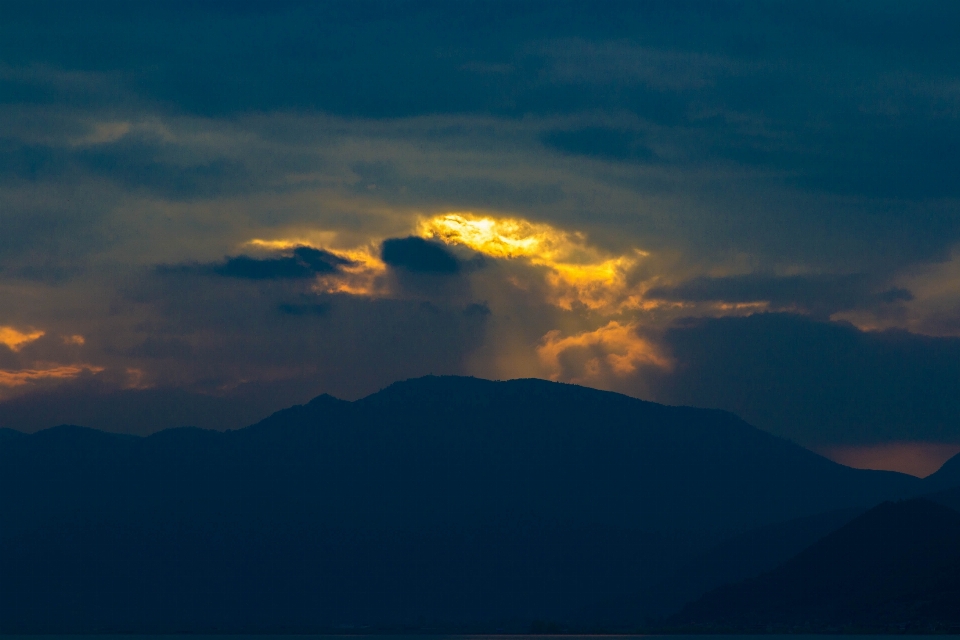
(212, 334)
(624, 167)
(26, 376)
(820, 295)
(611, 144)
(934, 304)
(16, 340)
(817, 383)
(577, 272)
(305, 263)
(574, 272)
(587, 358)
(419, 255)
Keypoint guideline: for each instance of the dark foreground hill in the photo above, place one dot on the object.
(743, 556)
(895, 568)
(443, 503)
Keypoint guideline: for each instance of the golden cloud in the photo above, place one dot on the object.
(577, 272)
(363, 277)
(614, 349)
(21, 377)
(16, 340)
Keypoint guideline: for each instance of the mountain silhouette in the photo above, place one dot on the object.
(9, 434)
(437, 503)
(894, 568)
(946, 477)
(743, 556)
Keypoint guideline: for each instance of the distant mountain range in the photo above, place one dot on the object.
(441, 503)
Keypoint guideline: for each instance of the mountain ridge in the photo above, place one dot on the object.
(897, 566)
(491, 502)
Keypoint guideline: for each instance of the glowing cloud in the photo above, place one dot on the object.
(577, 272)
(362, 277)
(16, 340)
(286, 244)
(25, 376)
(612, 349)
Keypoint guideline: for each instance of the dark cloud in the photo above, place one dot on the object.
(477, 309)
(385, 179)
(306, 262)
(419, 255)
(821, 295)
(190, 361)
(819, 136)
(206, 334)
(303, 308)
(8, 358)
(153, 348)
(818, 383)
(138, 166)
(610, 144)
(19, 161)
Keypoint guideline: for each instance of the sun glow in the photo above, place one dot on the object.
(361, 277)
(615, 349)
(364, 277)
(577, 272)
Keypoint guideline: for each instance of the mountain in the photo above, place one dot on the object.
(744, 556)
(437, 503)
(894, 568)
(7, 434)
(946, 477)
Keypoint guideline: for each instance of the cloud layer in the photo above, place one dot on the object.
(734, 204)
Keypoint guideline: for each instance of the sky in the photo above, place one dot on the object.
(213, 210)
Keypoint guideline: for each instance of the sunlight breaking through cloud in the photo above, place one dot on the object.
(558, 267)
(577, 272)
(614, 349)
(362, 276)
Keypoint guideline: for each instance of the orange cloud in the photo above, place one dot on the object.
(614, 349)
(75, 339)
(21, 377)
(576, 272)
(16, 340)
(361, 278)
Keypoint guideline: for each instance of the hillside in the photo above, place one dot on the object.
(444, 503)
(895, 568)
